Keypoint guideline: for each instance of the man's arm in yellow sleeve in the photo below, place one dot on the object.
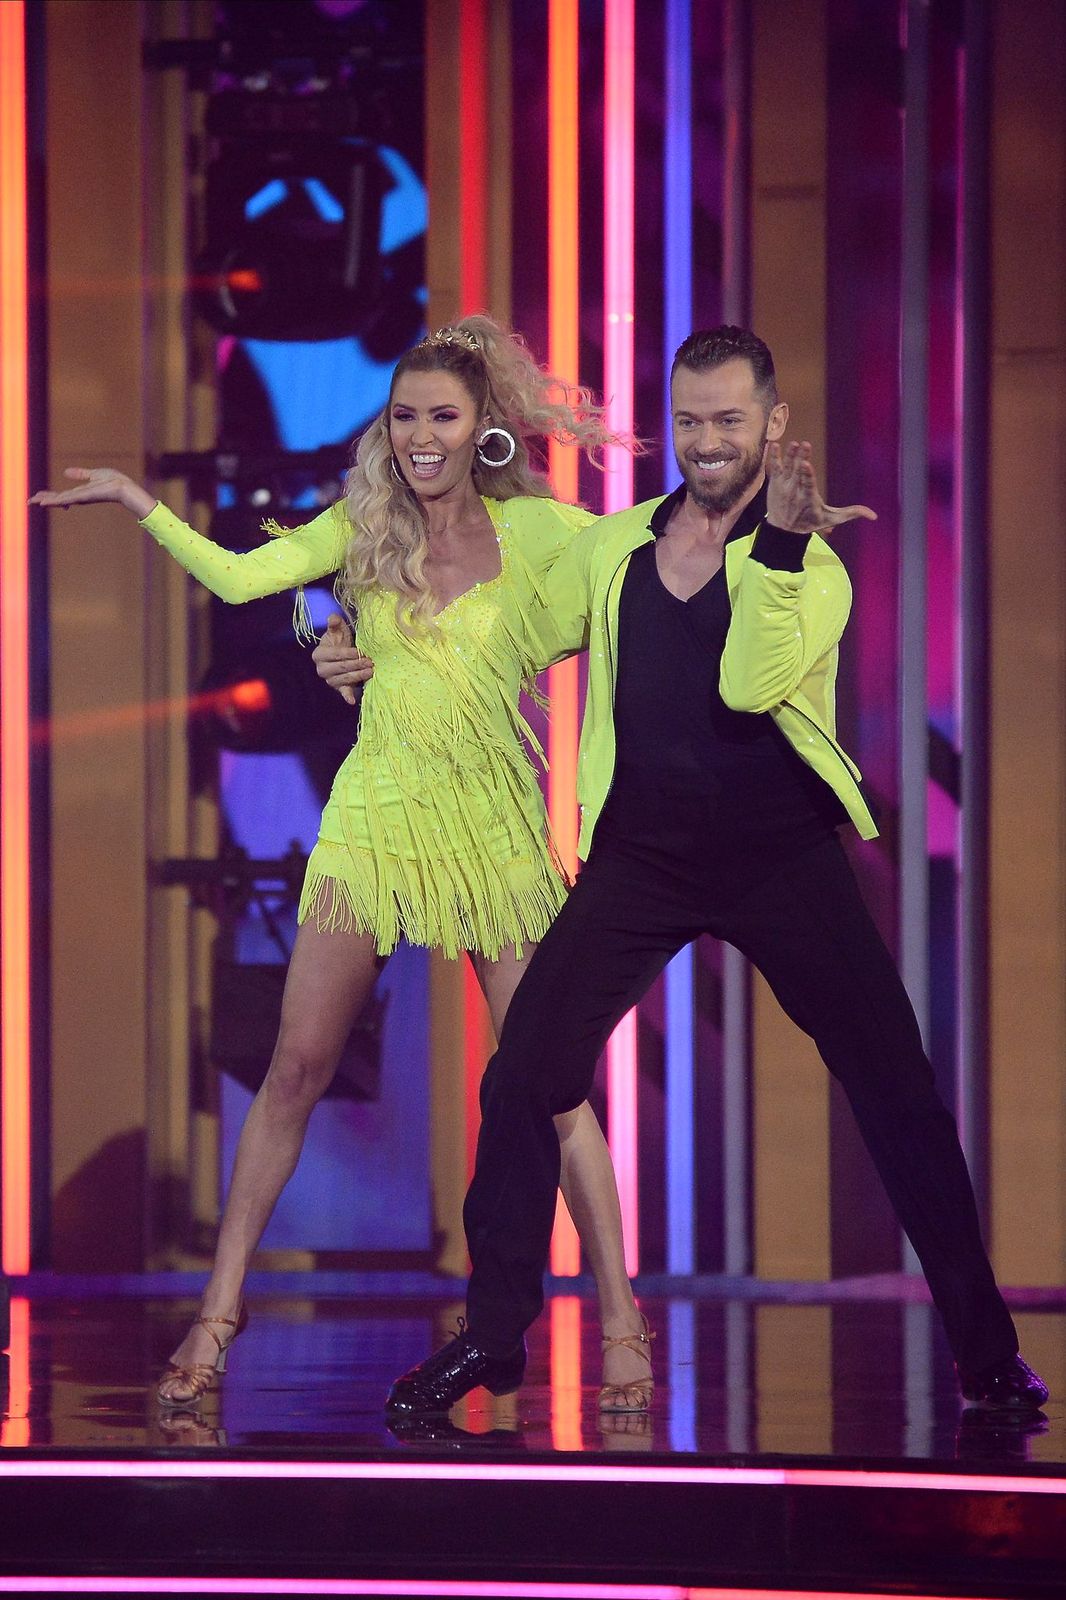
(790, 609)
(560, 624)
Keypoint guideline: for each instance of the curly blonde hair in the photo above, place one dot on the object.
(389, 544)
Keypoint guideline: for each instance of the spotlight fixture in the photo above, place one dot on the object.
(293, 239)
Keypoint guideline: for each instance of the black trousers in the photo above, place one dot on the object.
(806, 929)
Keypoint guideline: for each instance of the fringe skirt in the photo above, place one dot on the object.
(460, 860)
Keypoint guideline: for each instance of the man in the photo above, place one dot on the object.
(711, 788)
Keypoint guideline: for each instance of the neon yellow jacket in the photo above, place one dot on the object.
(780, 653)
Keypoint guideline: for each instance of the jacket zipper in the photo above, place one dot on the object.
(849, 766)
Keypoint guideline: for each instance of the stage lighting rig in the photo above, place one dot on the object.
(306, 110)
(293, 231)
(269, 700)
(302, 43)
(245, 473)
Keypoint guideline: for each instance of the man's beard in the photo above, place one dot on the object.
(721, 493)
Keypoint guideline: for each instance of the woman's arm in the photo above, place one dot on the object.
(282, 563)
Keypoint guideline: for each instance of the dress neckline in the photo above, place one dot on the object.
(484, 583)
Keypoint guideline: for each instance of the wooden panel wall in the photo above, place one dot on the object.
(97, 623)
(788, 272)
(1028, 644)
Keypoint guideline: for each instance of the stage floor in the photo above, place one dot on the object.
(862, 1379)
(790, 1442)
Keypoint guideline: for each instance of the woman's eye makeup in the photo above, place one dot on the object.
(399, 415)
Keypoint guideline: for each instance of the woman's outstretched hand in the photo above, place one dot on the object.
(337, 661)
(98, 486)
(793, 499)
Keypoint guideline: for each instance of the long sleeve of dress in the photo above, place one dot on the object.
(284, 562)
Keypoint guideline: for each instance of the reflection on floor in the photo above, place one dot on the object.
(854, 1381)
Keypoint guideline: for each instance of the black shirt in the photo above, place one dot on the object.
(694, 779)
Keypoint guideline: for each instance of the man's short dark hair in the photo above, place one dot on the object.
(713, 347)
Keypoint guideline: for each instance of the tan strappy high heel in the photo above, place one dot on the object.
(635, 1396)
(198, 1378)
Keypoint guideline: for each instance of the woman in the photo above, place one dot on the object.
(435, 828)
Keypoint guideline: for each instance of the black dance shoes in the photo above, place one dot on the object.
(1008, 1385)
(442, 1379)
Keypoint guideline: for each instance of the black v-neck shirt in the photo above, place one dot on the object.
(694, 779)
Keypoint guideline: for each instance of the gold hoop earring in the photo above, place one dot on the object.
(397, 474)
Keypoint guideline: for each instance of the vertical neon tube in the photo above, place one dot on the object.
(473, 272)
(566, 1372)
(618, 134)
(15, 1429)
(473, 156)
(563, 338)
(563, 463)
(14, 649)
(683, 1356)
(677, 320)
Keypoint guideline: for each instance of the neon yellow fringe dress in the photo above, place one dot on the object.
(435, 829)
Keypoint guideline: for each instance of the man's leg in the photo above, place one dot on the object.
(814, 941)
(612, 938)
(616, 932)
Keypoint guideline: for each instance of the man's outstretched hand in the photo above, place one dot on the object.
(794, 501)
(337, 661)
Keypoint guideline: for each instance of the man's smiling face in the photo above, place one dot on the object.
(721, 425)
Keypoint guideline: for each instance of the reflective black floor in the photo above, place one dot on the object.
(856, 1380)
(752, 1472)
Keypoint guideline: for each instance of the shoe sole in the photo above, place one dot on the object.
(1005, 1407)
(398, 1408)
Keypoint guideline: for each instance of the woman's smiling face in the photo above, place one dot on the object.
(433, 427)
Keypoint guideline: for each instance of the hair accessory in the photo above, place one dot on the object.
(460, 336)
(496, 461)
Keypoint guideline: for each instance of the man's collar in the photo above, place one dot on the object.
(665, 510)
(749, 519)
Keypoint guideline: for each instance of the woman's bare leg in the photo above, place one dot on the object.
(329, 981)
(589, 1188)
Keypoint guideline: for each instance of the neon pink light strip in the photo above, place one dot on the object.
(14, 655)
(416, 1586)
(518, 1472)
(622, 1134)
(618, 131)
(367, 1586)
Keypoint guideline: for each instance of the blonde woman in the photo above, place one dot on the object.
(435, 830)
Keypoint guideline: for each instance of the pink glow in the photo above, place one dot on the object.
(15, 1140)
(618, 130)
(521, 1472)
(15, 1428)
(415, 1586)
(622, 1130)
(618, 247)
(368, 1586)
